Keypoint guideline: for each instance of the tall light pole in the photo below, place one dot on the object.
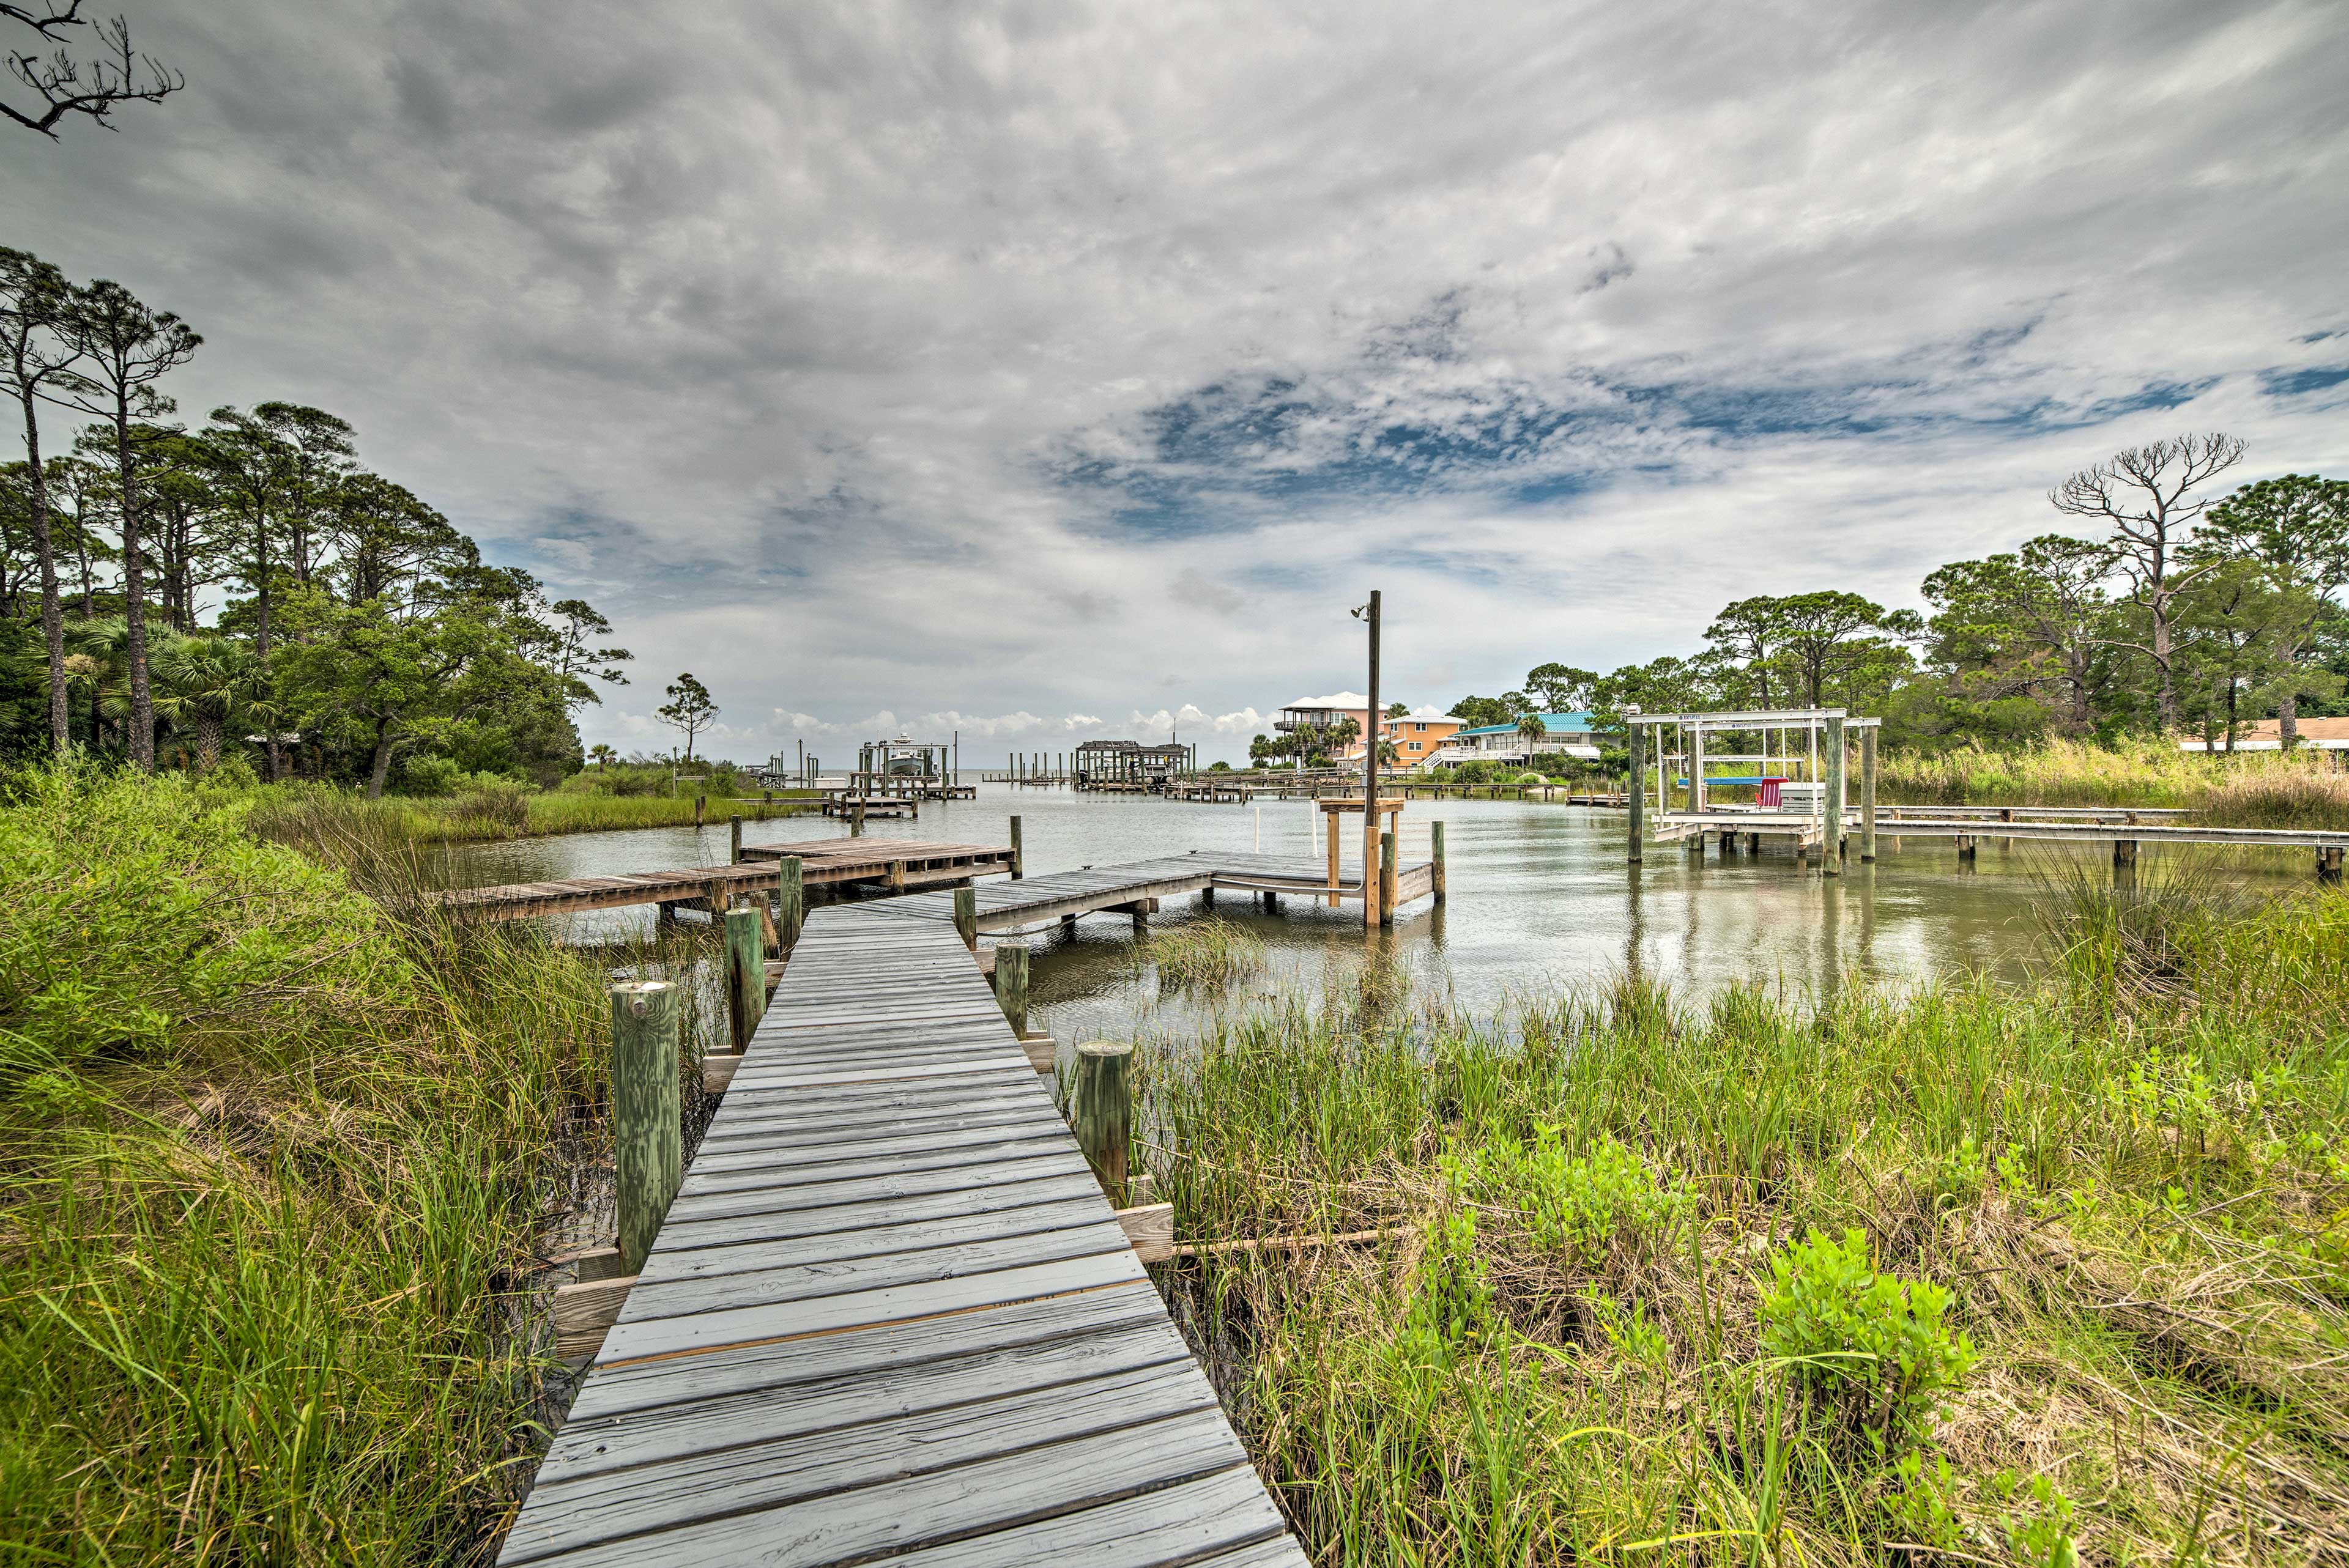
(1369, 612)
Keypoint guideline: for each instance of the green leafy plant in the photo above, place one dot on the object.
(1921, 1511)
(2041, 1534)
(1575, 1203)
(1451, 1307)
(1874, 1344)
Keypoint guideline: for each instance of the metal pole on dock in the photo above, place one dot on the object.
(1868, 793)
(1639, 789)
(1019, 861)
(1105, 1113)
(1831, 802)
(1011, 985)
(648, 1114)
(746, 974)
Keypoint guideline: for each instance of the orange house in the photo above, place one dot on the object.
(1415, 739)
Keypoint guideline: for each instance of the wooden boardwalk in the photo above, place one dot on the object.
(1889, 825)
(890, 1317)
(896, 862)
(1063, 895)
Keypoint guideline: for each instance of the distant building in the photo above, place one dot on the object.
(1415, 737)
(1563, 735)
(2267, 735)
(1324, 712)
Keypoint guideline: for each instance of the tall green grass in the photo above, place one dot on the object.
(278, 1173)
(2248, 789)
(483, 814)
(1582, 1327)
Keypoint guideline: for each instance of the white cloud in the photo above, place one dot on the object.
(795, 327)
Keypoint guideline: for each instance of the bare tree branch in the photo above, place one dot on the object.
(90, 89)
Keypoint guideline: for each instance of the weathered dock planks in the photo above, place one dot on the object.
(822, 861)
(891, 1315)
(1061, 896)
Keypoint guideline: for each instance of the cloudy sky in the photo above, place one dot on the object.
(1053, 370)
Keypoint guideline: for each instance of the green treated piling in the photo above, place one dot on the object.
(966, 917)
(746, 974)
(1105, 1113)
(1831, 846)
(790, 901)
(1436, 842)
(1011, 985)
(648, 1112)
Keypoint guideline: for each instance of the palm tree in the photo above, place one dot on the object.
(1535, 731)
(602, 755)
(205, 682)
(97, 661)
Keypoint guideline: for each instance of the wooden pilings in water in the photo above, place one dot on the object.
(790, 903)
(1105, 1113)
(746, 974)
(1387, 875)
(1639, 789)
(1831, 801)
(1867, 792)
(1011, 985)
(1019, 857)
(648, 1112)
(1435, 834)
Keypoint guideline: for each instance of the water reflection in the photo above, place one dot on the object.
(1541, 897)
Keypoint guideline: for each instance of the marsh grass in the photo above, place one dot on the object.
(2129, 1177)
(280, 1172)
(1208, 952)
(485, 814)
(2250, 789)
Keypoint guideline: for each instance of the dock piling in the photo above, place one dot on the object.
(733, 841)
(1831, 799)
(790, 901)
(1868, 793)
(1435, 830)
(1019, 857)
(1105, 1113)
(1387, 875)
(966, 917)
(648, 1113)
(1330, 817)
(1011, 985)
(746, 974)
(1639, 790)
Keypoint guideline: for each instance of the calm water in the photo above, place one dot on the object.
(1540, 899)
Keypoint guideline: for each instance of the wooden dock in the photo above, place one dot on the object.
(891, 1316)
(894, 863)
(2116, 829)
(1135, 889)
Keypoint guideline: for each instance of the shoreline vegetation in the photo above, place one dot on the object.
(1976, 1274)
(489, 812)
(280, 1175)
